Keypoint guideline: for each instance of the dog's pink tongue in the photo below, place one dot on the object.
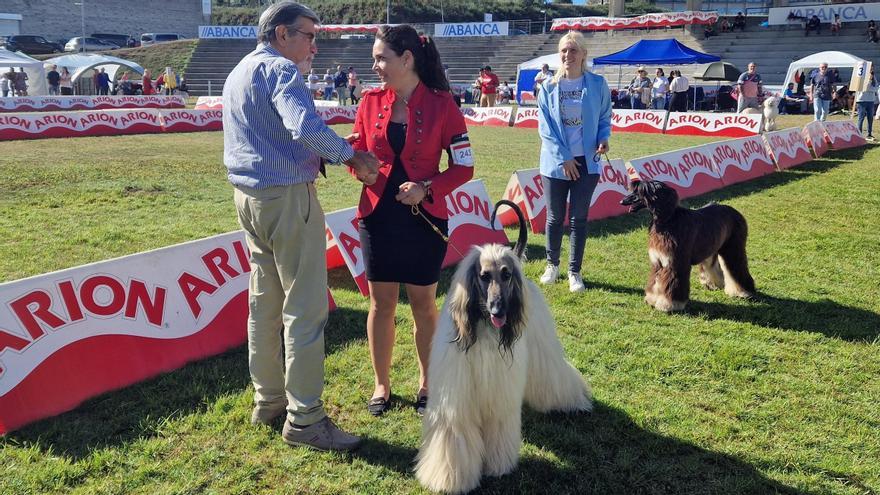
(498, 322)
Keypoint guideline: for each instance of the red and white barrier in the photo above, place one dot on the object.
(191, 120)
(739, 160)
(611, 188)
(526, 189)
(468, 207)
(337, 114)
(491, 116)
(713, 124)
(65, 103)
(691, 171)
(787, 147)
(814, 135)
(666, 19)
(209, 103)
(843, 134)
(647, 121)
(526, 117)
(75, 124)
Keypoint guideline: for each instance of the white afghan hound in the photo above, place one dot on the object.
(495, 347)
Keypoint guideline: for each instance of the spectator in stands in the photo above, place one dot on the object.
(835, 25)
(488, 87)
(867, 104)
(407, 123)
(814, 24)
(739, 22)
(147, 83)
(340, 82)
(749, 86)
(791, 102)
(659, 89)
(574, 134)
(352, 85)
(709, 31)
(725, 25)
(872, 32)
(54, 80)
(328, 85)
(822, 91)
(274, 147)
(636, 87)
(540, 77)
(679, 89)
(505, 93)
(21, 85)
(4, 85)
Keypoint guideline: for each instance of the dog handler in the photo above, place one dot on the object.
(407, 123)
(574, 122)
(274, 144)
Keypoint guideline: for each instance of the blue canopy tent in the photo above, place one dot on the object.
(656, 52)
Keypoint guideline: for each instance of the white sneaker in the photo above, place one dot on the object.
(575, 282)
(550, 275)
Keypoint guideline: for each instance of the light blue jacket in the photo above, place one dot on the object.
(596, 117)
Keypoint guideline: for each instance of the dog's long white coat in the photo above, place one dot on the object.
(472, 425)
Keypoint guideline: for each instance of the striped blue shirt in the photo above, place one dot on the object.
(272, 135)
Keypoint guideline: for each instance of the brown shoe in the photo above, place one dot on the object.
(266, 414)
(323, 435)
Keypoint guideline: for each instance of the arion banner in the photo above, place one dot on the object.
(664, 19)
(191, 120)
(526, 117)
(491, 116)
(739, 160)
(814, 135)
(843, 134)
(66, 103)
(713, 124)
(209, 103)
(646, 121)
(332, 115)
(468, 208)
(691, 171)
(787, 147)
(74, 124)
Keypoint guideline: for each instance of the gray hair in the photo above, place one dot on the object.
(282, 14)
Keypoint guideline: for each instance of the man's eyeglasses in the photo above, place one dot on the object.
(310, 36)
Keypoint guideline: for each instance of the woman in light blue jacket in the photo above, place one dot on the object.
(574, 121)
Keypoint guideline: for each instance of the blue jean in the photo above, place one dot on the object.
(635, 102)
(658, 103)
(820, 108)
(557, 193)
(328, 92)
(866, 110)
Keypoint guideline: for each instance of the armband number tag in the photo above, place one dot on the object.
(460, 150)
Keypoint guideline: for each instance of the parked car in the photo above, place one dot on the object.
(92, 45)
(148, 39)
(29, 44)
(120, 40)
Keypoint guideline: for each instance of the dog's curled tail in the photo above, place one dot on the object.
(520, 246)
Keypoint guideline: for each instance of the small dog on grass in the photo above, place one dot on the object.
(495, 348)
(713, 237)
(771, 111)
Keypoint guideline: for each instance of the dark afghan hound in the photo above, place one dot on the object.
(713, 237)
(495, 348)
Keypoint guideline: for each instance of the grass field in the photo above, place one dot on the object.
(774, 395)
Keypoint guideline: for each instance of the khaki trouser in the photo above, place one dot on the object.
(487, 100)
(284, 229)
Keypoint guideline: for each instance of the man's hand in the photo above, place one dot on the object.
(411, 193)
(354, 136)
(603, 148)
(570, 167)
(365, 166)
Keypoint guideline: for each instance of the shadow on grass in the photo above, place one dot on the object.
(140, 411)
(606, 452)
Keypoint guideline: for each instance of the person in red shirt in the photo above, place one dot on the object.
(147, 83)
(407, 124)
(488, 87)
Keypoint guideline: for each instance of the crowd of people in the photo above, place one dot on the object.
(15, 83)
(661, 92)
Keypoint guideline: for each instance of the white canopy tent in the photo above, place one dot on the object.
(32, 67)
(835, 60)
(526, 71)
(80, 65)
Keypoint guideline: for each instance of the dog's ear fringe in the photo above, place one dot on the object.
(464, 307)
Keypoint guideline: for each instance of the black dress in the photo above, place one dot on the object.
(397, 245)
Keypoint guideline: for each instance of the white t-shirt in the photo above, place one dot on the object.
(570, 96)
(541, 76)
(659, 87)
(679, 84)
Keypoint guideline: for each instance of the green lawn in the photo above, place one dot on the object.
(775, 395)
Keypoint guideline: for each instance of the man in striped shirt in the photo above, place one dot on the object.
(274, 145)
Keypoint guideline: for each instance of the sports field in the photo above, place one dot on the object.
(780, 394)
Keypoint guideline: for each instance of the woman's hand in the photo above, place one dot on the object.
(570, 167)
(352, 137)
(411, 193)
(603, 148)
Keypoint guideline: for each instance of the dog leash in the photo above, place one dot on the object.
(418, 211)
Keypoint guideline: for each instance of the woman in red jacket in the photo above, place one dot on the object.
(407, 124)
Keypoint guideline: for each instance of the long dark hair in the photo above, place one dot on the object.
(427, 59)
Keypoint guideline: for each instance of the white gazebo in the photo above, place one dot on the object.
(32, 67)
(835, 60)
(81, 65)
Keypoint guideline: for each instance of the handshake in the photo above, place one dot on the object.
(365, 166)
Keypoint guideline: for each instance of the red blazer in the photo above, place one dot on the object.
(434, 124)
